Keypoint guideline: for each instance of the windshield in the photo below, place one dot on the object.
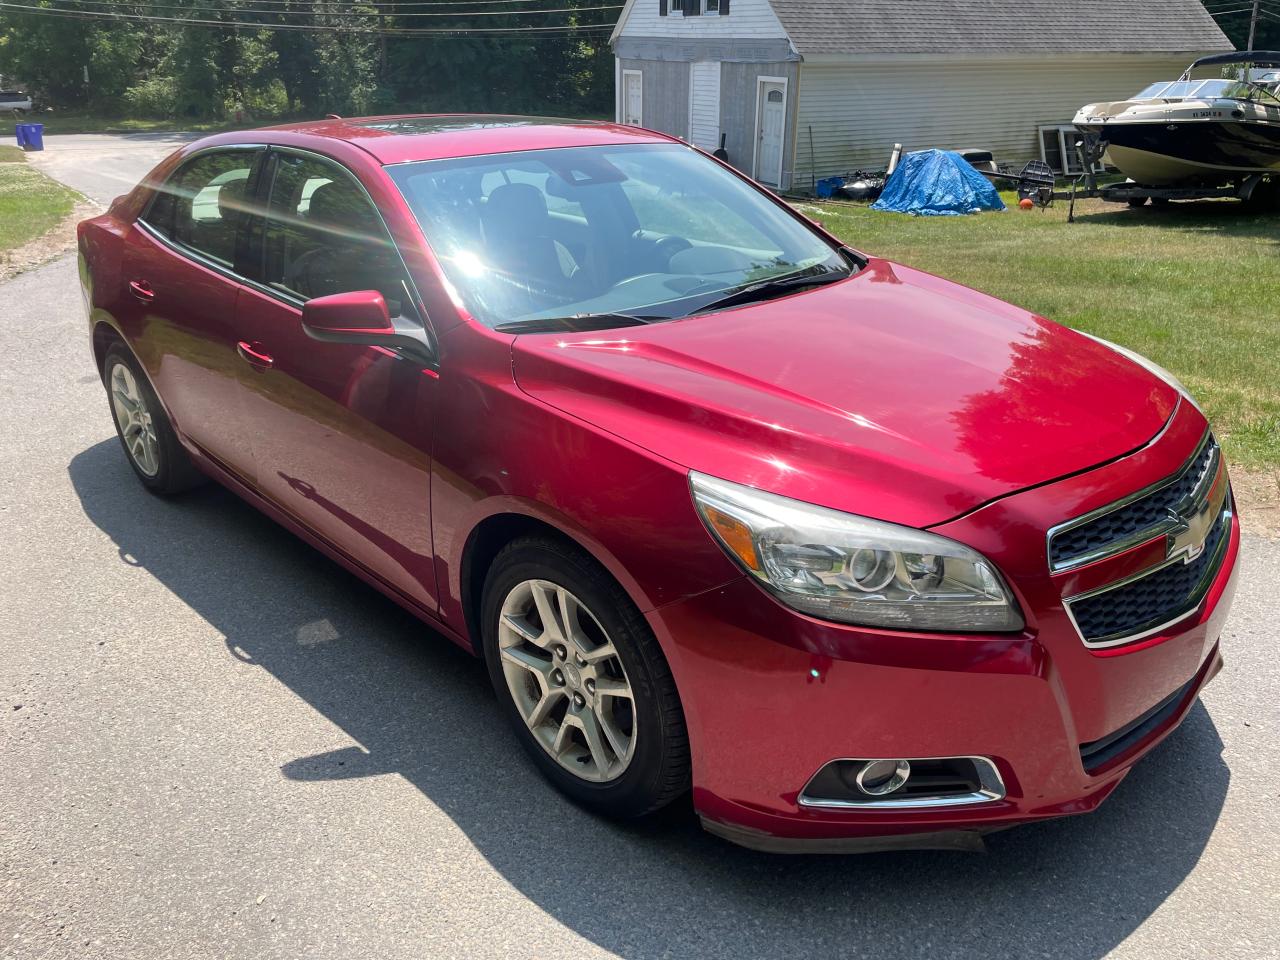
(652, 230)
(1226, 89)
(1242, 90)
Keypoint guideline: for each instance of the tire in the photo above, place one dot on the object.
(1136, 202)
(1265, 197)
(644, 769)
(148, 439)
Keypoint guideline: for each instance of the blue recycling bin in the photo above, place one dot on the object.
(30, 136)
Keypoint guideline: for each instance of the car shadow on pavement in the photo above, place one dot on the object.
(421, 708)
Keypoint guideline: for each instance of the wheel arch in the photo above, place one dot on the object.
(510, 523)
(104, 335)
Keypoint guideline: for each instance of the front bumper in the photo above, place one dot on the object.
(771, 696)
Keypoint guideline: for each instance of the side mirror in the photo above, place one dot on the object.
(361, 317)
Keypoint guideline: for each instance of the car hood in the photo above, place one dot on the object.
(893, 394)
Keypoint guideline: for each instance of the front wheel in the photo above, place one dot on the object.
(582, 680)
(146, 435)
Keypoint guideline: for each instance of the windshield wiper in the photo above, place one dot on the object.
(576, 324)
(767, 289)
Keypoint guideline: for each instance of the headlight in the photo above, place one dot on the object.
(1149, 365)
(838, 566)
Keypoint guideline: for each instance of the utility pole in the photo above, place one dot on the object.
(1253, 22)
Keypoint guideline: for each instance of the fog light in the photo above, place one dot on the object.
(880, 777)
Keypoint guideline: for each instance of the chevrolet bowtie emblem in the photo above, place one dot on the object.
(1186, 539)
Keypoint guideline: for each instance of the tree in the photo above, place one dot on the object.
(358, 58)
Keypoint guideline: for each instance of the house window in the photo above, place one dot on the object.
(693, 8)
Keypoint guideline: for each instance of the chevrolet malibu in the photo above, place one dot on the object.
(858, 557)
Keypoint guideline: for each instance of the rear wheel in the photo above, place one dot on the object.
(582, 681)
(145, 433)
(1265, 197)
(1137, 202)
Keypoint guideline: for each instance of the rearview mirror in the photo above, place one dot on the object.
(361, 317)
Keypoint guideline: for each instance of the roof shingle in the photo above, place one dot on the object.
(1000, 26)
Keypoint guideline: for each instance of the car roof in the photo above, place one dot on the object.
(409, 137)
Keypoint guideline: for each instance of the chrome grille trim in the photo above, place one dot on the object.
(1188, 606)
(1146, 533)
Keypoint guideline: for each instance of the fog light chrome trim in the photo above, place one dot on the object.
(990, 789)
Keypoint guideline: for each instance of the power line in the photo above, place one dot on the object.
(381, 7)
(565, 29)
(150, 6)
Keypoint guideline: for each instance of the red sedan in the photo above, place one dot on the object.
(860, 557)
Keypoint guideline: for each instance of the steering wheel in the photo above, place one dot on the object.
(668, 247)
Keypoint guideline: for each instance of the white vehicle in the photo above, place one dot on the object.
(15, 100)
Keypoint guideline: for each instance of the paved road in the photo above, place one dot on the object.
(104, 166)
(215, 743)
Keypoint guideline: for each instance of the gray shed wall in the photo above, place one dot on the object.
(738, 112)
(666, 95)
(666, 104)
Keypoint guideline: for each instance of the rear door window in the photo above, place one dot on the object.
(203, 206)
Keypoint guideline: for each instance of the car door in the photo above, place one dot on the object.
(342, 433)
(179, 267)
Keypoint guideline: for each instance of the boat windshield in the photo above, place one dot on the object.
(1214, 88)
(1243, 90)
(1196, 89)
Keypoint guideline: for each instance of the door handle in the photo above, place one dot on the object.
(253, 355)
(142, 290)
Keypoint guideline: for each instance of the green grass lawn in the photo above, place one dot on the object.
(1195, 287)
(30, 203)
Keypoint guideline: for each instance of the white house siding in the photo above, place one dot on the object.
(704, 104)
(858, 111)
(747, 19)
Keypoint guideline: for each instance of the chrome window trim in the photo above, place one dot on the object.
(1196, 597)
(1140, 536)
(990, 789)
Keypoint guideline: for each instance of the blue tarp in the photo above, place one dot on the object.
(937, 183)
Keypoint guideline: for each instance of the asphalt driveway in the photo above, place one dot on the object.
(216, 743)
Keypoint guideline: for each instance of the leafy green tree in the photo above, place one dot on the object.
(359, 58)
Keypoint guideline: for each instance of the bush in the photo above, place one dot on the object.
(152, 98)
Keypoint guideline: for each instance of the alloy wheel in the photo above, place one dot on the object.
(567, 680)
(134, 420)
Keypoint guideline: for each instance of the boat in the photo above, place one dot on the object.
(1206, 131)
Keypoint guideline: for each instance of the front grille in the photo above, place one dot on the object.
(1139, 606)
(1096, 755)
(1120, 526)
